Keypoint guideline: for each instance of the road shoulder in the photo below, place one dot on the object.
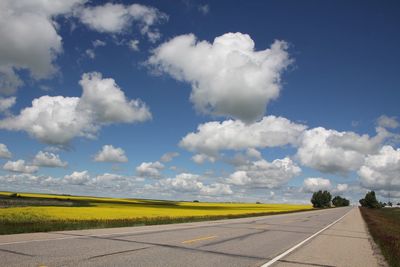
(347, 243)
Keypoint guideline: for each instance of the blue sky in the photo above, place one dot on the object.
(247, 101)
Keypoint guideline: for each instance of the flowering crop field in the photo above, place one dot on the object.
(28, 212)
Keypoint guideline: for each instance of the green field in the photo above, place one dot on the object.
(28, 212)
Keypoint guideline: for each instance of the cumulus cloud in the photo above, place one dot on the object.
(48, 159)
(29, 39)
(150, 169)
(134, 45)
(77, 178)
(4, 152)
(6, 103)
(117, 18)
(264, 174)
(201, 158)
(253, 153)
(167, 157)
(311, 185)
(228, 77)
(19, 166)
(337, 152)
(190, 183)
(342, 187)
(388, 122)
(57, 119)
(109, 153)
(104, 100)
(381, 171)
(271, 131)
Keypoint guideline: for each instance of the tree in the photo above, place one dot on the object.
(339, 201)
(370, 201)
(321, 199)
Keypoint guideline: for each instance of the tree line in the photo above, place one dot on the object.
(323, 199)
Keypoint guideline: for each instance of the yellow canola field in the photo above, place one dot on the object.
(114, 208)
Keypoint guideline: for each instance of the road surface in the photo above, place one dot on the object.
(237, 242)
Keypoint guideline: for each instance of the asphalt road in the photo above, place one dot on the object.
(237, 242)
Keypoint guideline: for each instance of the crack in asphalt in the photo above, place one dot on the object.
(184, 248)
(306, 263)
(118, 252)
(16, 252)
(241, 237)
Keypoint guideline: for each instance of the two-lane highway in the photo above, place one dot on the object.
(237, 242)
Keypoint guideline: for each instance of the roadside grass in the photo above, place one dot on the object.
(384, 226)
(30, 212)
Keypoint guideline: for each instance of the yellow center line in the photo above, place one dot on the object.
(199, 239)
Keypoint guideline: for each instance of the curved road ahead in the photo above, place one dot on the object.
(236, 242)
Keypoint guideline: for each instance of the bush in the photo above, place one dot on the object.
(339, 201)
(370, 201)
(321, 199)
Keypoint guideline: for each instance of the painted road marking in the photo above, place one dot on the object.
(301, 243)
(199, 239)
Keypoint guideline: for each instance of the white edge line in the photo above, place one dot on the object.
(301, 243)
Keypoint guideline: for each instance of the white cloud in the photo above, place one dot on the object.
(111, 18)
(107, 103)
(90, 53)
(311, 185)
(271, 131)
(4, 152)
(201, 158)
(109, 153)
(382, 171)
(117, 18)
(107, 178)
(337, 152)
(342, 187)
(228, 77)
(388, 122)
(29, 39)
(253, 153)
(150, 169)
(6, 103)
(134, 45)
(167, 157)
(48, 159)
(77, 178)
(98, 43)
(58, 119)
(19, 166)
(264, 174)
(190, 183)
(204, 9)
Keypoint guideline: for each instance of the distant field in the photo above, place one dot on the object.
(28, 212)
(384, 225)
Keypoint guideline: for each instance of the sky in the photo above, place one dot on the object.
(216, 101)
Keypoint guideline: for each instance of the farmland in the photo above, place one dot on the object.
(27, 212)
